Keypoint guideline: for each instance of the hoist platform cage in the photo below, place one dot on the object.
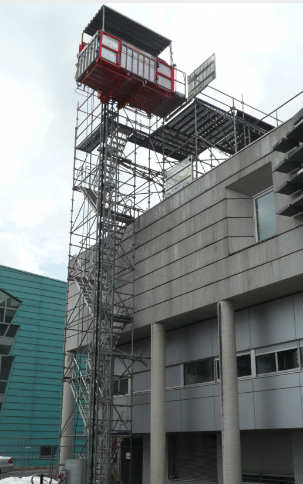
(121, 62)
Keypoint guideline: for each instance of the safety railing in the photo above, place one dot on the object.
(35, 453)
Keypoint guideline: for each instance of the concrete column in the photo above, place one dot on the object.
(67, 419)
(157, 419)
(231, 447)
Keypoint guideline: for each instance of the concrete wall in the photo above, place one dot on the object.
(198, 246)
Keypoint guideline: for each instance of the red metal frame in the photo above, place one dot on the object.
(117, 52)
(110, 80)
(172, 78)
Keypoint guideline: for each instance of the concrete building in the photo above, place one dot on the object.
(225, 244)
(32, 310)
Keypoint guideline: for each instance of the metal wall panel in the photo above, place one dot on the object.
(242, 330)
(33, 396)
(272, 322)
(198, 414)
(142, 381)
(246, 411)
(173, 376)
(289, 380)
(298, 312)
(196, 343)
(278, 409)
(173, 350)
(141, 416)
(267, 452)
(173, 417)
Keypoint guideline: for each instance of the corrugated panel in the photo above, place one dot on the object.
(195, 457)
(126, 29)
(35, 378)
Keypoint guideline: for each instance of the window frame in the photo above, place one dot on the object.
(275, 352)
(199, 383)
(255, 219)
(118, 380)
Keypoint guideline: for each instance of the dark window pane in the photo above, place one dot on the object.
(4, 349)
(9, 315)
(266, 216)
(3, 328)
(124, 386)
(1, 315)
(3, 386)
(218, 369)
(2, 298)
(288, 359)
(12, 303)
(199, 371)
(12, 330)
(116, 388)
(266, 363)
(6, 363)
(48, 450)
(244, 365)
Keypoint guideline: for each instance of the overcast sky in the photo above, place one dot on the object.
(258, 50)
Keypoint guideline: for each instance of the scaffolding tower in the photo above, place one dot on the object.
(121, 159)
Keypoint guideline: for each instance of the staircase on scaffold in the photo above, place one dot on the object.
(102, 313)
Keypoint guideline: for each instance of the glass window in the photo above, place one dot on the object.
(201, 371)
(244, 365)
(266, 216)
(12, 303)
(2, 298)
(1, 315)
(3, 328)
(288, 359)
(4, 350)
(12, 330)
(9, 315)
(3, 386)
(266, 363)
(48, 450)
(121, 387)
(6, 363)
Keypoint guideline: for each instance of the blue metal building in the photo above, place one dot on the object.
(32, 312)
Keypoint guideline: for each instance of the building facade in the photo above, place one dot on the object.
(228, 244)
(32, 312)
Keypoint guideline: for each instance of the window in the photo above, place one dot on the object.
(121, 387)
(277, 361)
(265, 215)
(8, 308)
(287, 360)
(201, 371)
(243, 366)
(266, 363)
(47, 451)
